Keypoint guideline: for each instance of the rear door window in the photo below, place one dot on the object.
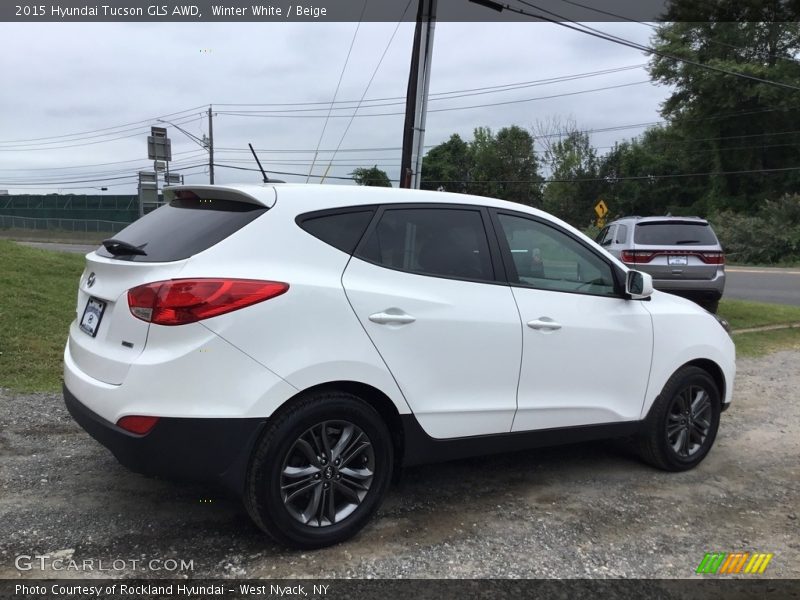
(674, 233)
(443, 242)
(183, 228)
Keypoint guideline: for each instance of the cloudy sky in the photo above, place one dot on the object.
(78, 99)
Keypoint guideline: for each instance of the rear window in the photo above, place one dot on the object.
(183, 228)
(674, 233)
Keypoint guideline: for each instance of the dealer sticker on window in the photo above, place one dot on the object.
(92, 315)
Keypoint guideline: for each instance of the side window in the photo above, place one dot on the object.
(602, 236)
(431, 241)
(548, 259)
(621, 236)
(341, 230)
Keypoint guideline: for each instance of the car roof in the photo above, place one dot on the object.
(665, 219)
(322, 196)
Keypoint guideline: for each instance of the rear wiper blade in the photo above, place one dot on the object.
(120, 248)
(687, 242)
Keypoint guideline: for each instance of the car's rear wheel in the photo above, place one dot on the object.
(320, 471)
(683, 422)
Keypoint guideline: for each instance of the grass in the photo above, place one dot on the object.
(50, 235)
(761, 343)
(38, 292)
(742, 314)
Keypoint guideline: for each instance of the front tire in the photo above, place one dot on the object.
(683, 422)
(320, 471)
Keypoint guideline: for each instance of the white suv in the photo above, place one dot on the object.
(298, 344)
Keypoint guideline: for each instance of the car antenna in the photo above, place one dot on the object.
(263, 172)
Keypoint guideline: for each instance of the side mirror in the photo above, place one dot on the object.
(638, 285)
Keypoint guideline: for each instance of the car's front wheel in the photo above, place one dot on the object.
(320, 471)
(682, 424)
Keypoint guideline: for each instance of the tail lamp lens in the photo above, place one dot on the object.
(182, 301)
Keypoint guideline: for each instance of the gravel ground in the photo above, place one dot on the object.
(589, 510)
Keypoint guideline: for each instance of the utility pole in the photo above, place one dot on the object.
(210, 146)
(417, 96)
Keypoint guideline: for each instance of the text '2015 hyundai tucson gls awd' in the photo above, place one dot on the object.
(299, 343)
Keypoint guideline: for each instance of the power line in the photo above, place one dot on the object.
(615, 179)
(459, 93)
(585, 29)
(288, 115)
(339, 83)
(138, 132)
(21, 141)
(366, 89)
(655, 28)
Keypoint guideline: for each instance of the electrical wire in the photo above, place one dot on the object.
(338, 84)
(366, 89)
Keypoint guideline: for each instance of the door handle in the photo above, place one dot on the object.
(544, 324)
(385, 318)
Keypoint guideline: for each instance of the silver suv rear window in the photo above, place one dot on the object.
(674, 233)
(183, 228)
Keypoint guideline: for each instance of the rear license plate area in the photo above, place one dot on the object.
(677, 260)
(92, 315)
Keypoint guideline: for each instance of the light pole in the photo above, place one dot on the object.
(206, 143)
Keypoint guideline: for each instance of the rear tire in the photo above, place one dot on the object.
(683, 422)
(320, 471)
(711, 306)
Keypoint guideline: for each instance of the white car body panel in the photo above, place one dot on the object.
(591, 370)
(457, 366)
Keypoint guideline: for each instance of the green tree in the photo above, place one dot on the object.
(448, 166)
(373, 176)
(575, 187)
(501, 165)
(731, 121)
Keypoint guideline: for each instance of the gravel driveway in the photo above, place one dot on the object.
(576, 511)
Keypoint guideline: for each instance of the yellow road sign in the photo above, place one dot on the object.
(601, 209)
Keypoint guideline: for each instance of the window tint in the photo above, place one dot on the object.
(431, 241)
(548, 259)
(621, 235)
(184, 227)
(674, 233)
(340, 230)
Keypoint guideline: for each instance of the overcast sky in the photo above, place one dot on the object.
(60, 79)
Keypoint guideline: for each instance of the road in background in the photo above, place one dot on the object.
(779, 286)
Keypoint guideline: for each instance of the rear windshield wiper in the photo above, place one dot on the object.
(679, 242)
(120, 248)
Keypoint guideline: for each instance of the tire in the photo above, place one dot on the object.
(711, 306)
(320, 471)
(683, 422)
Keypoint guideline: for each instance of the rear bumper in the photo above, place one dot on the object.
(208, 450)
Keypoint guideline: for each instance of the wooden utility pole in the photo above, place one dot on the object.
(417, 96)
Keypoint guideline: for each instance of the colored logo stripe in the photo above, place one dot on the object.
(731, 563)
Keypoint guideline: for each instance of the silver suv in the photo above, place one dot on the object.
(682, 254)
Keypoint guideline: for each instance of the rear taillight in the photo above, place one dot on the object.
(637, 256)
(181, 301)
(712, 258)
(137, 424)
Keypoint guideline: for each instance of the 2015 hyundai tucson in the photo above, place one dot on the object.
(299, 343)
